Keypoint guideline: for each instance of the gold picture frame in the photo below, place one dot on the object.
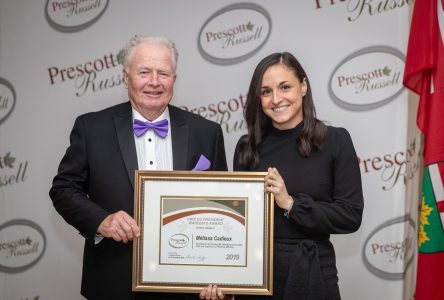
(201, 227)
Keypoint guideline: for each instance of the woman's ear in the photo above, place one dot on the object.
(304, 87)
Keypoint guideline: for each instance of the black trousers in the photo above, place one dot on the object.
(303, 269)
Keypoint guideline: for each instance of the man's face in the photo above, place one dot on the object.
(149, 78)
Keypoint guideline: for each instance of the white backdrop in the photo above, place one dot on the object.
(58, 61)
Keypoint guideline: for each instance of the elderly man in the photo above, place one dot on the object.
(93, 189)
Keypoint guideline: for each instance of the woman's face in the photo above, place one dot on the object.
(281, 96)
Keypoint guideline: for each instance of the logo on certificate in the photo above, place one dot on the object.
(178, 241)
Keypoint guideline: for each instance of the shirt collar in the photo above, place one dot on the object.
(164, 115)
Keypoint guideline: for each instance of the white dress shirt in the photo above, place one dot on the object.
(154, 152)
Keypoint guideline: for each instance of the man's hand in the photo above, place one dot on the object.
(119, 226)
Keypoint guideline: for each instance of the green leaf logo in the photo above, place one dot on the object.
(120, 56)
(250, 26)
(28, 241)
(9, 160)
(386, 71)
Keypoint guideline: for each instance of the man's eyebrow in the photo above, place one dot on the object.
(142, 68)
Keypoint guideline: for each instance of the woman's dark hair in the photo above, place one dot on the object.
(313, 131)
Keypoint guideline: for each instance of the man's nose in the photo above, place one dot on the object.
(154, 78)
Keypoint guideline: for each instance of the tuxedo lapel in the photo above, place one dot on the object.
(125, 136)
(179, 139)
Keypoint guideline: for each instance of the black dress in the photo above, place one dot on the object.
(327, 193)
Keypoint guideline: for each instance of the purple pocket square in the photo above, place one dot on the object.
(202, 164)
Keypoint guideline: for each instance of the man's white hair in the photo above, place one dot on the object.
(139, 39)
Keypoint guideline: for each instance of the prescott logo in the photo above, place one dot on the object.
(358, 8)
(22, 244)
(178, 240)
(228, 113)
(234, 33)
(94, 75)
(389, 249)
(73, 15)
(395, 167)
(7, 99)
(13, 172)
(368, 78)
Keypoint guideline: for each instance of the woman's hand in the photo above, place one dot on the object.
(276, 185)
(212, 292)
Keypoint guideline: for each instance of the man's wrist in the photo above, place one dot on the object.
(289, 206)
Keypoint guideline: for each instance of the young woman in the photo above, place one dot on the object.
(313, 173)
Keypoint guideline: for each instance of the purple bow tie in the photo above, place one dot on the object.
(160, 127)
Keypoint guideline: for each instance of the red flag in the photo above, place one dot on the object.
(424, 74)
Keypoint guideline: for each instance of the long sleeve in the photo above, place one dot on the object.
(343, 213)
(69, 191)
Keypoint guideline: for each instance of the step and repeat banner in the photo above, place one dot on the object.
(59, 59)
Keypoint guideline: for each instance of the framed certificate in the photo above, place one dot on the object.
(200, 227)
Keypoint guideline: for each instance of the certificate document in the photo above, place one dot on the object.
(201, 227)
(206, 231)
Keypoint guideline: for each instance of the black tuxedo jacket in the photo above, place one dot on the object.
(96, 178)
